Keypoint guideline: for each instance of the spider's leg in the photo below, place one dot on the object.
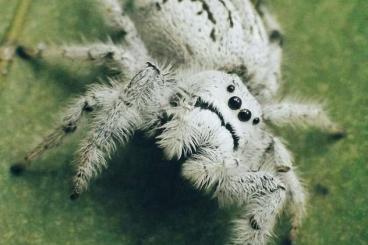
(281, 161)
(273, 27)
(68, 125)
(115, 122)
(296, 201)
(302, 114)
(276, 39)
(116, 17)
(118, 56)
(261, 194)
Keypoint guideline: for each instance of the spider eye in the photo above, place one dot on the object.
(244, 115)
(256, 120)
(230, 88)
(234, 103)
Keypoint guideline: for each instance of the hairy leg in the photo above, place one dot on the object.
(114, 123)
(276, 39)
(68, 126)
(296, 201)
(93, 98)
(301, 114)
(281, 160)
(259, 193)
(128, 57)
(116, 17)
(117, 56)
(272, 26)
(260, 215)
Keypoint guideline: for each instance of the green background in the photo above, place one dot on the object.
(142, 200)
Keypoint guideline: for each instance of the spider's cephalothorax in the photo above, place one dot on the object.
(211, 113)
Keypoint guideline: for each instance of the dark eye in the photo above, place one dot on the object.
(244, 115)
(256, 120)
(234, 103)
(230, 88)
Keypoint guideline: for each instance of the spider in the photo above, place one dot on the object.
(211, 111)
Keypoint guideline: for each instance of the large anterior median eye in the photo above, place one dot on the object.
(244, 115)
(234, 103)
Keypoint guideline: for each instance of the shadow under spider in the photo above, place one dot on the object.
(155, 203)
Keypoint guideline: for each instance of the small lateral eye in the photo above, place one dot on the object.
(230, 88)
(244, 115)
(234, 103)
(256, 120)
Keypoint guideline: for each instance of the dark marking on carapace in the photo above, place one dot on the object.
(213, 35)
(158, 6)
(207, 9)
(189, 49)
(230, 17)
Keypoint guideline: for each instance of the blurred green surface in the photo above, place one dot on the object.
(140, 199)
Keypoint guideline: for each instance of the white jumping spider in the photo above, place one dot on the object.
(211, 111)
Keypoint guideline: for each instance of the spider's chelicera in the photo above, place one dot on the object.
(212, 110)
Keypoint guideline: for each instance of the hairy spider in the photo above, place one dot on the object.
(211, 111)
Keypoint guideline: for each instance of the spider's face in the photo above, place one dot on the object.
(228, 98)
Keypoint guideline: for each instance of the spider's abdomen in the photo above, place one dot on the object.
(214, 33)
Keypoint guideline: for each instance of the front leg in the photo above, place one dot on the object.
(260, 194)
(113, 124)
(96, 97)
